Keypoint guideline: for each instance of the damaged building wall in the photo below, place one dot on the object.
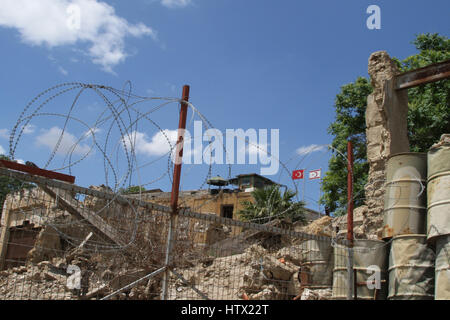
(23, 223)
(386, 134)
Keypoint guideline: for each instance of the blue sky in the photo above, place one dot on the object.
(250, 64)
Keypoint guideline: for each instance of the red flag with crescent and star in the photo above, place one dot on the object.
(297, 174)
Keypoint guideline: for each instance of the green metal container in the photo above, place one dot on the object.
(366, 254)
(405, 196)
(438, 191)
(316, 270)
(442, 282)
(411, 268)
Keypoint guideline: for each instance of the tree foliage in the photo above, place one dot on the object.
(132, 189)
(270, 202)
(8, 185)
(428, 118)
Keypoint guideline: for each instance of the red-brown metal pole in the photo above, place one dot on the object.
(171, 237)
(179, 150)
(350, 192)
(352, 288)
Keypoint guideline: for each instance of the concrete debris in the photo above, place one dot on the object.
(317, 294)
(255, 274)
(94, 203)
(320, 227)
(65, 263)
(47, 245)
(360, 231)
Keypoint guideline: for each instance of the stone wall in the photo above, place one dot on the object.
(386, 134)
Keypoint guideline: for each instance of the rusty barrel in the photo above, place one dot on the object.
(316, 269)
(438, 189)
(370, 263)
(442, 268)
(405, 196)
(411, 268)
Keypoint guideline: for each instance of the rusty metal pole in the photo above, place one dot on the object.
(351, 276)
(350, 192)
(179, 150)
(175, 190)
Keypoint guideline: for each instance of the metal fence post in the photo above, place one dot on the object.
(178, 157)
(350, 283)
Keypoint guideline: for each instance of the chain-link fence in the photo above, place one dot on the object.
(62, 241)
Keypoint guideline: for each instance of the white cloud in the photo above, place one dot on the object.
(29, 129)
(92, 131)
(157, 146)
(63, 71)
(4, 133)
(55, 23)
(309, 149)
(254, 148)
(2, 151)
(175, 3)
(49, 139)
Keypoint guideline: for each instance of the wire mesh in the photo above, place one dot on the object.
(59, 241)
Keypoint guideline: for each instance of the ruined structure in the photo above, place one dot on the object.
(386, 134)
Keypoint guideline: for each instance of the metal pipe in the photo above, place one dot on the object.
(175, 190)
(350, 192)
(351, 288)
(134, 283)
(179, 150)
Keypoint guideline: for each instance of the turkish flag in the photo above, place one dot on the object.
(297, 174)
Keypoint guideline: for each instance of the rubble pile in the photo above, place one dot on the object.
(255, 274)
(78, 275)
(253, 265)
(320, 227)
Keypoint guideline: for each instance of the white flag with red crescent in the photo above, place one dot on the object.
(315, 174)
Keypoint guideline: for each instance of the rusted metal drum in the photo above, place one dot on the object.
(316, 270)
(438, 190)
(442, 265)
(369, 257)
(405, 196)
(411, 268)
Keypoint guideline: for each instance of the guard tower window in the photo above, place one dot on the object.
(227, 211)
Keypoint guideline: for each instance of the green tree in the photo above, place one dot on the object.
(350, 106)
(132, 189)
(8, 185)
(270, 203)
(428, 118)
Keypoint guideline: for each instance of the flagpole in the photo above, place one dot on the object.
(320, 189)
(304, 182)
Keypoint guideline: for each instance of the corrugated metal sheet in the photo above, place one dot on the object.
(438, 191)
(442, 282)
(405, 196)
(411, 269)
(316, 264)
(366, 253)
